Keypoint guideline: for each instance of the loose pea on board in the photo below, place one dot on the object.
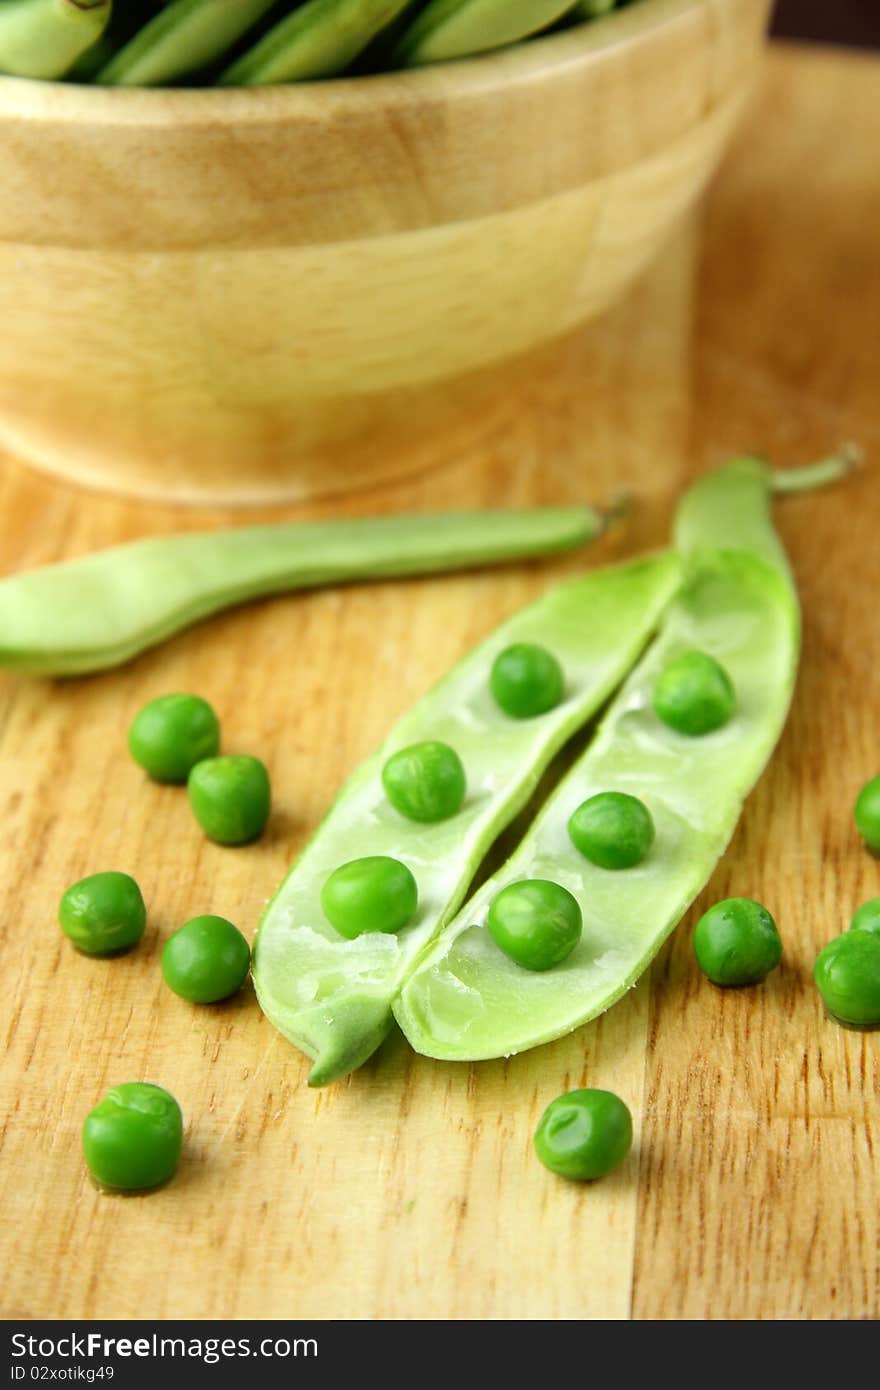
(847, 975)
(332, 996)
(172, 733)
(584, 1134)
(867, 917)
(737, 943)
(133, 1138)
(206, 960)
(230, 798)
(867, 814)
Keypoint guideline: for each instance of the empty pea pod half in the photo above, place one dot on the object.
(330, 988)
(103, 609)
(467, 999)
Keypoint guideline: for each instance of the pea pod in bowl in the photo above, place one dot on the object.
(328, 986)
(45, 38)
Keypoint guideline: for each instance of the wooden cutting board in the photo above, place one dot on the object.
(410, 1190)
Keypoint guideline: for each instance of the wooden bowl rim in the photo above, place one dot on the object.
(347, 97)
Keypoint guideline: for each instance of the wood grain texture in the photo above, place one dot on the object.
(282, 292)
(410, 1190)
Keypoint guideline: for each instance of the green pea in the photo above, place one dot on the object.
(535, 922)
(205, 960)
(133, 1138)
(584, 1134)
(425, 782)
(526, 680)
(103, 913)
(847, 973)
(230, 798)
(737, 943)
(694, 695)
(867, 917)
(867, 814)
(372, 894)
(173, 733)
(612, 830)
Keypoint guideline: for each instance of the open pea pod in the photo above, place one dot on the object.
(467, 999)
(186, 37)
(45, 38)
(332, 996)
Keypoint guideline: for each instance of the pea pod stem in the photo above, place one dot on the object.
(45, 38)
(103, 609)
(816, 475)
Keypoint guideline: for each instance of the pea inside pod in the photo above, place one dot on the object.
(536, 923)
(526, 680)
(376, 894)
(425, 782)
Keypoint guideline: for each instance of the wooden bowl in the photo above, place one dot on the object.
(251, 295)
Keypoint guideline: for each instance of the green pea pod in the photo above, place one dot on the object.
(101, 610)
(459, 28)
(44, 38)
(319, 39)
(331, 995)
(592, 9)
(184, 38)
(467, 1000)
(124, 22)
